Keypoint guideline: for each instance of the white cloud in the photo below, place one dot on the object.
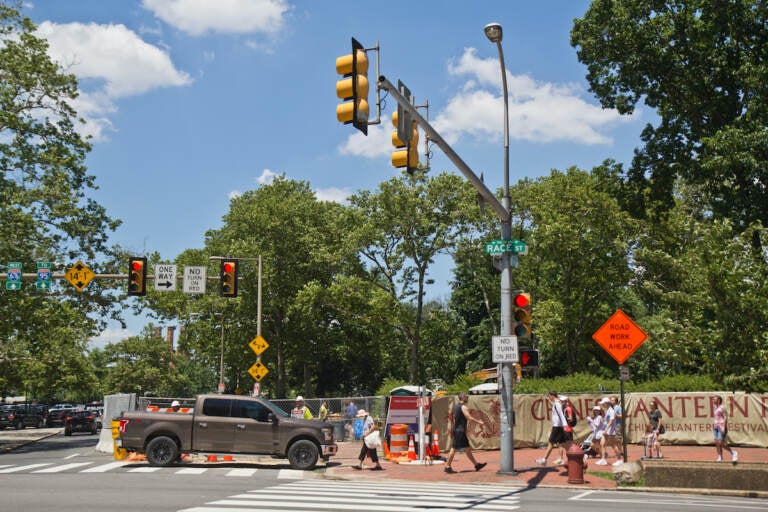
(266, 178)
(377, 143)
(110, 62)
(112, 53)
(337, 195)
(110, 335)
(197, 17)
(538, 111)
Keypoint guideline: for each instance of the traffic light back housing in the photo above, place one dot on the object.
(353, 88)
(137, 276)
(228, 274)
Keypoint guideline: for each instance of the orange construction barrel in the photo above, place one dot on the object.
(398, 439)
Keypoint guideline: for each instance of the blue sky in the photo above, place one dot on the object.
(199, 100)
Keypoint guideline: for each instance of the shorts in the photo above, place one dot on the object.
(460, 439)
(557, 435)
(719, 434)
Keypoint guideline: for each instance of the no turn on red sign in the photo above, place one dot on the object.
(620, 336)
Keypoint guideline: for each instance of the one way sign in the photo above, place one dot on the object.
(165, 278)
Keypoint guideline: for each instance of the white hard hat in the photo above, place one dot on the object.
(299, 398)
(175, 403)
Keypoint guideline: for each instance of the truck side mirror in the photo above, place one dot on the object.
(272, 418)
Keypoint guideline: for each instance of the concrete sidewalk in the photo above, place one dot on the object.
(528, 472)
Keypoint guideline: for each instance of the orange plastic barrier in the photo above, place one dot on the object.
(398, 436)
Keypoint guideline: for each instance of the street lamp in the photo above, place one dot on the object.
(494, 34)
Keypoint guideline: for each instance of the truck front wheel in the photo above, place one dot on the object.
(303, 454)
(162, 451)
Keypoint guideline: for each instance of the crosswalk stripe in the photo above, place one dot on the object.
(63, 467)
(104, 467)
(16, 469)
(242, 472)
(318, 495)
(145, 469)
(191, 471)
(290, 474)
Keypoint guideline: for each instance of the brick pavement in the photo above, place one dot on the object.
(528, 472)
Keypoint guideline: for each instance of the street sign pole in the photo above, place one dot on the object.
(502, 211)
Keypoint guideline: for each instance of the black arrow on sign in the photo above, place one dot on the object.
(167, 284)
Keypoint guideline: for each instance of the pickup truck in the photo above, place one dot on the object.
(226, 424)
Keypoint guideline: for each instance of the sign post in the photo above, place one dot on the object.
(620, 337)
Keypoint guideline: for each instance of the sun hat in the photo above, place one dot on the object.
(299, 398)
(605, 400)
(361, 413)
(563, 398)
(596, 408)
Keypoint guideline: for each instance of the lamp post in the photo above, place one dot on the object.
(494, 34)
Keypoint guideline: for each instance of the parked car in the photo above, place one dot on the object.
(57, 416)
(79, 421)
(22, 415)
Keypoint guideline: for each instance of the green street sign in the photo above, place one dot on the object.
(43, 281)
(13, 282)
(513, 245)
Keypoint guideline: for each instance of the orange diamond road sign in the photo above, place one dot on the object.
(620, 336)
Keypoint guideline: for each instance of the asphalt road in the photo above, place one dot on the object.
(67, 474)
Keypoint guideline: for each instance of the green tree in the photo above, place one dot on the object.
(400, 230)
(46, 214)
(702, 66)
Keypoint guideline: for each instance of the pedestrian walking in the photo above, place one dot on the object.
(461, 418)
(369, 427)
(609, 433)
(721, 431)
(557, 435)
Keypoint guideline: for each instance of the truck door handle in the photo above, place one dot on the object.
(240, 426)
(203, 424)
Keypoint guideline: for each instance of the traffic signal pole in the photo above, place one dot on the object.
(502, 211)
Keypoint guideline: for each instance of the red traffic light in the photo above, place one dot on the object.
(228, 267)
(136, 265)
(521, 300)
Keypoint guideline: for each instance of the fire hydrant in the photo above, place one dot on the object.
(575, 464)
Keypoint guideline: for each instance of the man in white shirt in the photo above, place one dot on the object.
(557, 435)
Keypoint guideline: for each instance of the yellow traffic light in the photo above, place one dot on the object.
(228, 282)
(137, 276)
(521, 304)
(407, 154)
(353, 88)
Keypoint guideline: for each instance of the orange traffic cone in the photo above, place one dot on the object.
(435, 444)
(411, 449)
(212, 458)
(385, 445)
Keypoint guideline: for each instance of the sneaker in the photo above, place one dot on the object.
(558, 462)
(541, 462)
(719, 459)
(602, 462)
(734, 456)
(618, 462)
(357, 467)
(450, 470)
(480, 465)
(377, 468)
(586, 458)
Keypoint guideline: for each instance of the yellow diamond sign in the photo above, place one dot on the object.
(79, 276)
(258, 345)
(258, 371)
